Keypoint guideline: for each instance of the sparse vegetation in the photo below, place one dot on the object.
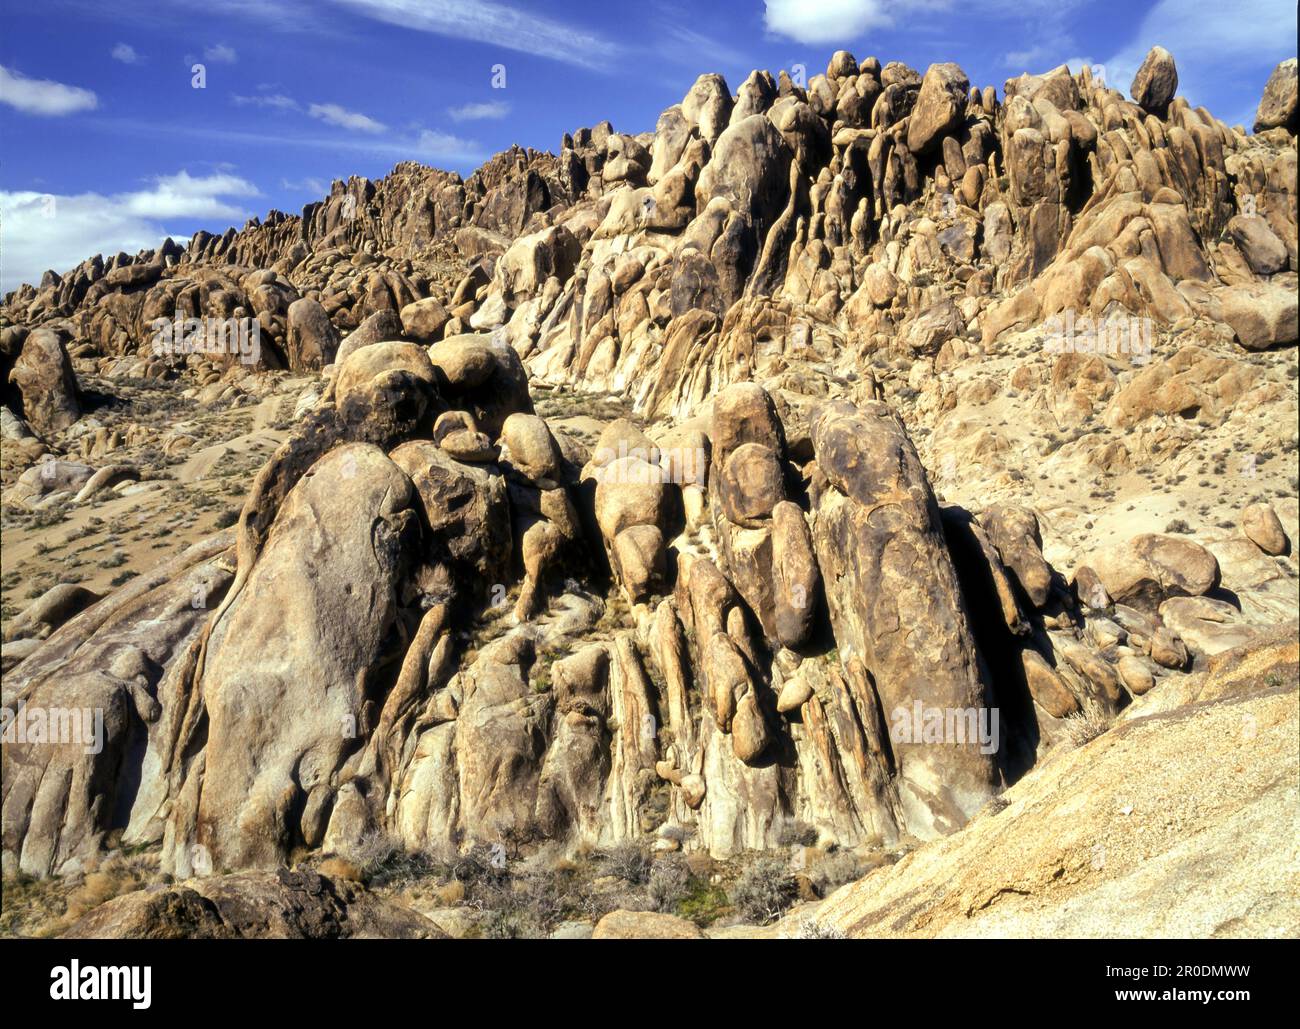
(1087, 724)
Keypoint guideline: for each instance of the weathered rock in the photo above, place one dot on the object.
(280, 905)
(641, 558)
(46, 383)
(1262, 527)
(51, 609)
(883, 558)
(1262, 315)
(1156, 81)
(750, 484)
(287, 687)
(1014, 531)
(1151, 567)
(1277, 107)
(1264, 252)
(531, 449)
(466, 511)
(483, 376)
(940, 106)
(312, 340)
(645, 925)
(424, 320)
(1046, 687)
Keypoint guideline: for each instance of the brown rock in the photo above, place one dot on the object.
(645, 925)
(940, 106)
(46, 383)
(1277, 107)
(1156, 81)
(1261, 525)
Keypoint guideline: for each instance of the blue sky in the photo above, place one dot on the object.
(107, 145)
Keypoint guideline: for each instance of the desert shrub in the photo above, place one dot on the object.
(837, 868)
(811, 929)
(481, 864)
(1088, 724)
(381, 860)
(792, 832)
(530, 904)
(628, 861)
(704, 902)
(669, 882)
(764, 890)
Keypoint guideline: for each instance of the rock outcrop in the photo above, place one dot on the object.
(823, 458)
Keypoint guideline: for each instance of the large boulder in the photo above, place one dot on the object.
(1014, 531)
(1150, 567)
(707, 106)
(484, 376)
(424, 319)
(46, 383)
(940, 107)
(466, 511)
(289, 685)
(645, 925)
(312, 339)
(1277, 107)
(796, 579)
(1259, 245)
(1261, 314)
(750, 168)
(378, 327)
(897, 608)
(279, 905)
(384, 391)
(1156, 81)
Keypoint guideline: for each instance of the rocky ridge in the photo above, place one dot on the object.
(644, 492)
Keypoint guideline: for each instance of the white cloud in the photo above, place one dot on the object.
(219, 53)
(42, 96)
(487, 21)
(480, 111)
(441, 147)
(185, 196)
(275, 101)
(333, 114)
(52, 231)
(824, 21)
(316, 187)
(125, 53)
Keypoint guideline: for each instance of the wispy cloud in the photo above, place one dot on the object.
(219, 53)
(274, 101)
(125, 53)
(684, 45)
(43, 96)
(60, 231)
(497, 24)
(333, 114)
(309, 185)
(485, 111)
(439, 148)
